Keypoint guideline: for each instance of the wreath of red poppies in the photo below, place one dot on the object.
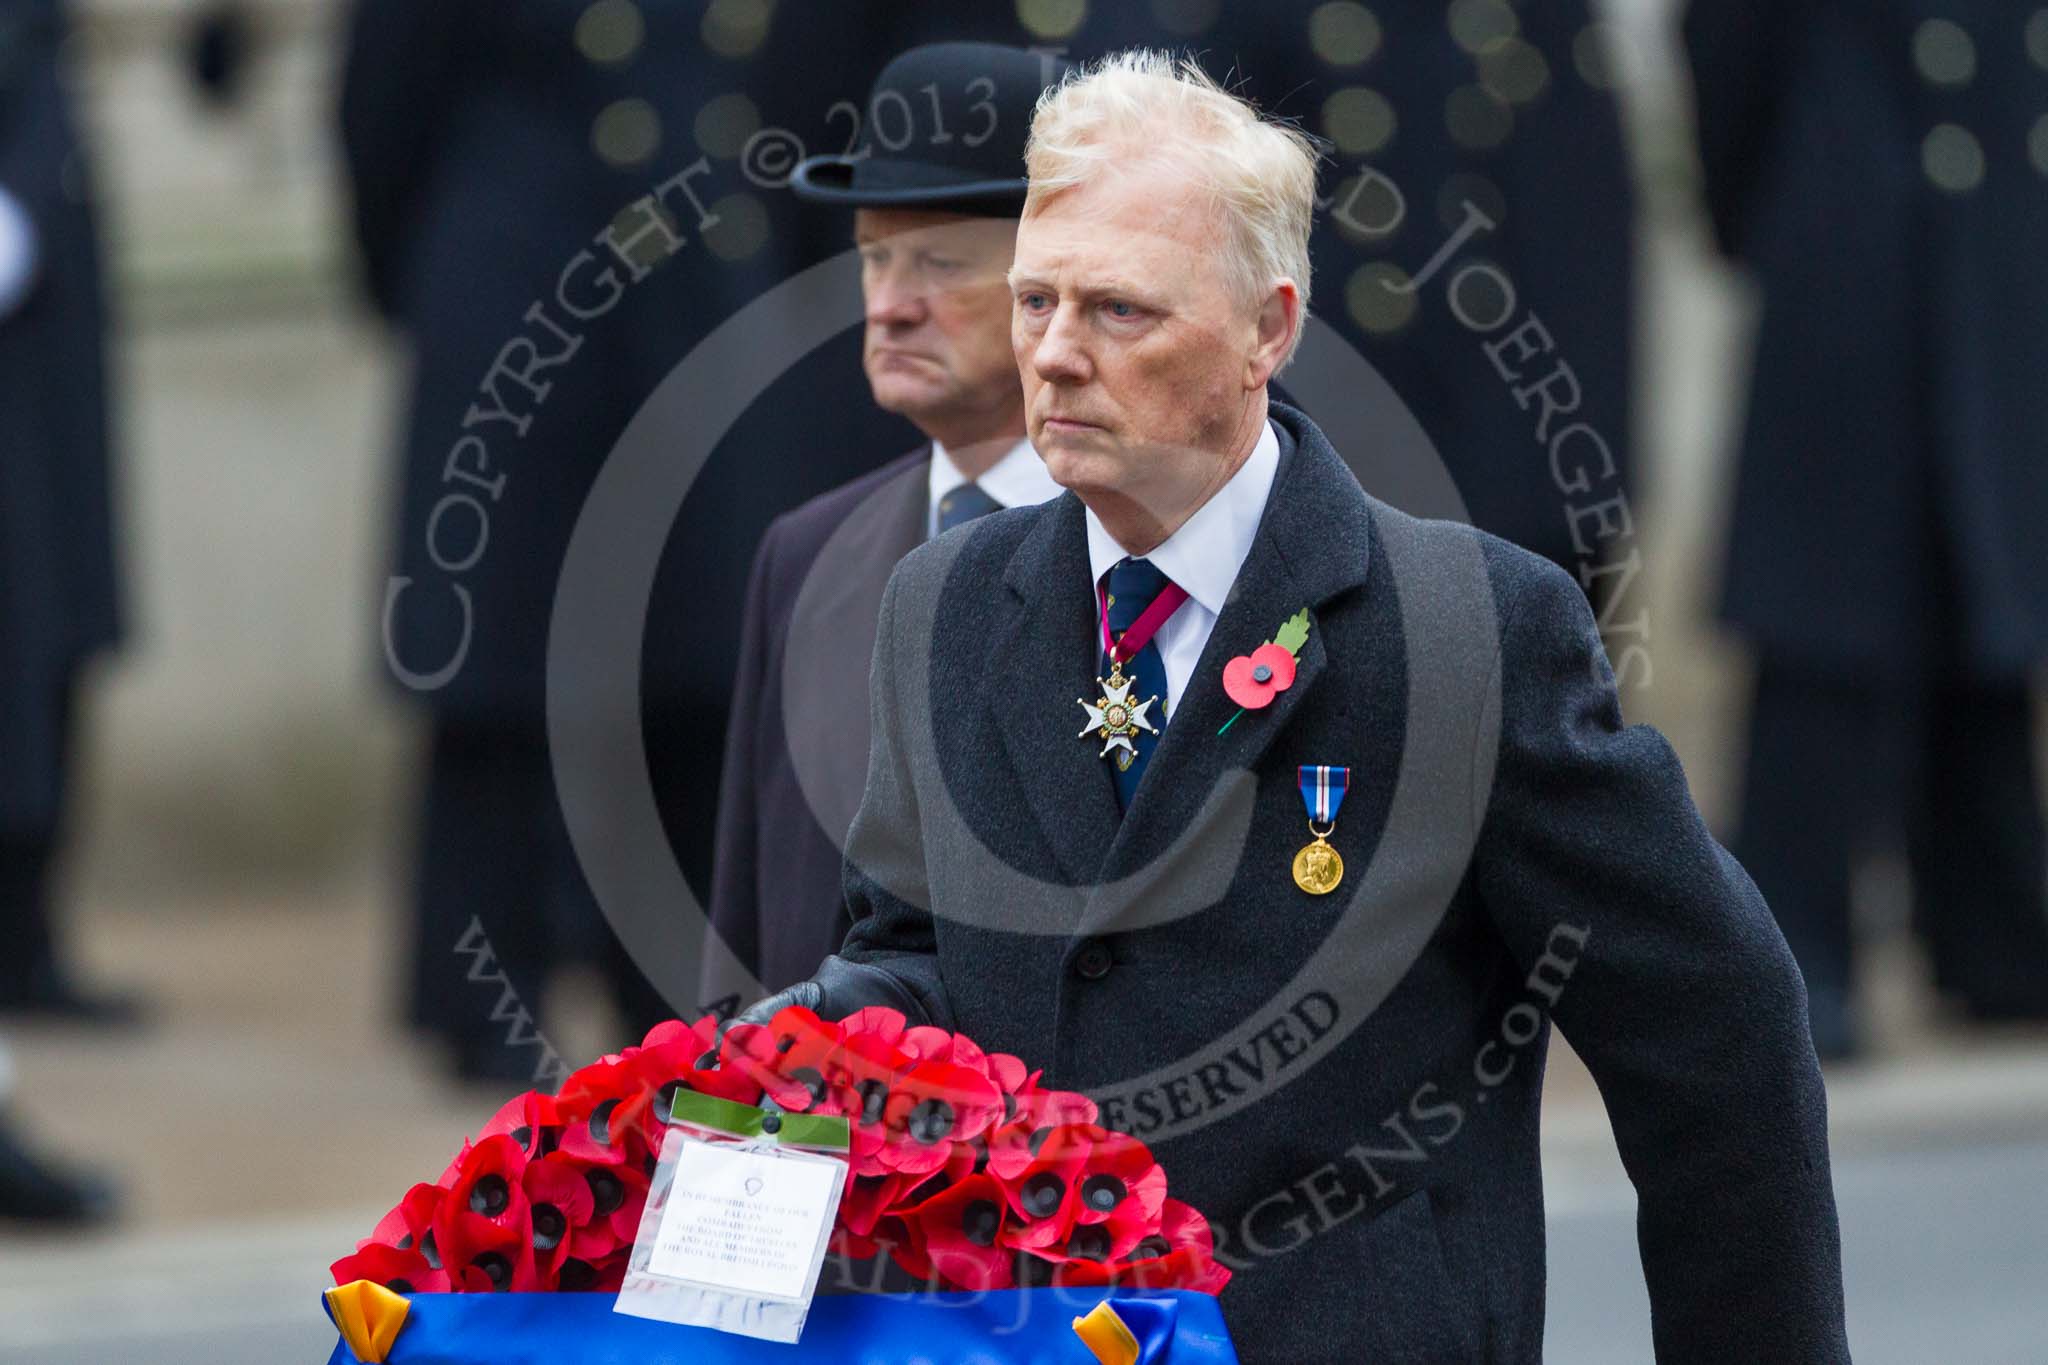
(964, 1170)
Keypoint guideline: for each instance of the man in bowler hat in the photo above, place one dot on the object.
(935, 192)
(1346, 1080)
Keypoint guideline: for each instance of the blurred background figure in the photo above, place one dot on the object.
(58, 594)
(503, 160)
(1882, 168)
(218, 50)
(937, 231)
(245, 838)
(36, 1191)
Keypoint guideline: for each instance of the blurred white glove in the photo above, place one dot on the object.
(20, 255)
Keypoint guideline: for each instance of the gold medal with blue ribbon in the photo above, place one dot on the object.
(1317, 867)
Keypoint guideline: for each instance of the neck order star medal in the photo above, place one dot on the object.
(1115, 718)
(1318, 868)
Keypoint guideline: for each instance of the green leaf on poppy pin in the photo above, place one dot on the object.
(1293, 635)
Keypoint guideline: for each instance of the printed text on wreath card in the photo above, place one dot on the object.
(746, 1221)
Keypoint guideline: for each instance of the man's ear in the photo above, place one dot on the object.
(1279, 320)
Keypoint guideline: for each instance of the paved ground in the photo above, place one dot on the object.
(1945, 1253)
(271, 1118)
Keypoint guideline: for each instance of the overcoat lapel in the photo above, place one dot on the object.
(1313, 543)
(1040, 667)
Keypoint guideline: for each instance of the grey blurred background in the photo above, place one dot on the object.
(243, 821)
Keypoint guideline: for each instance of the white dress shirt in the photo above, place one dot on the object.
(1017, 480)
(1203, 556)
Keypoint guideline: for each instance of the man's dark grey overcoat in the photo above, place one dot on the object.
(1348, 1086)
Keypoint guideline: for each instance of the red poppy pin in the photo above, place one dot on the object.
(1253, 680)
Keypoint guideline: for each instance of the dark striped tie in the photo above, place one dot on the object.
(1132, 584)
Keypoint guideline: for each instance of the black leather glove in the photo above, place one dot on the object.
(839, 988)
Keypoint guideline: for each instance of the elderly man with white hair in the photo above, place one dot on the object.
(1332, 1037)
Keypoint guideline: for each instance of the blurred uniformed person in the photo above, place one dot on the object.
(58, 599)
(1882, 167)
(503, 156)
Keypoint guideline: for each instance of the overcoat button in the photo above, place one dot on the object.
(1092, 962)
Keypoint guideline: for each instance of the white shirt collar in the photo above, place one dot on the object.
(1017, 480)
(1205, 554)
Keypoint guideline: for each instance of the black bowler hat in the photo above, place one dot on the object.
(945, 128)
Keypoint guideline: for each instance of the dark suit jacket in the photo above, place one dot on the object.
(805, 646)
(59, 599)
(1349, 1085)
(1892, 484)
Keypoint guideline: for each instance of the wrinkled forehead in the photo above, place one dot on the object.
(1151, 216)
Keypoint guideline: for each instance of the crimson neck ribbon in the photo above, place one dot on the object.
(1123, 648)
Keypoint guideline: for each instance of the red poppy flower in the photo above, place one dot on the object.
(868, 1197)
(876, 1021)
(1253, 680)
(676, 1054)
(860, 1077)
(1013, 1144)
(618, 1195)
(1008, 1072)
(603, 1110)
(1179, 1255)
(959, 1230)
(454, 1167)
(1119, 1180)
(402, 1272)
(927, 1044)
(601, 1276)
(756, 1051)
(482, 1256)
(530, 1120)
(1044, 1195)
(407, 1225)
(931, 1107)
(559, 1200)
(489, 1185)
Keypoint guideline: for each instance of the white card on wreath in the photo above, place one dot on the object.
(747, 1220)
